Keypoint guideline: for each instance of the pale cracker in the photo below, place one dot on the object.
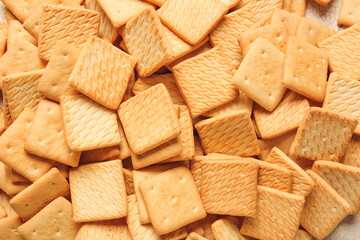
(278, 215)
(163, 216)
(313, 31)
(349, 13)
(318, 220)
(9, 228)
(75, 111)
(236, 128)
(260, 9)
(44, 190)
(9, 16)
(225, 228)
(129, 181)
(111, 229)
(291, 20)
(16, 31)
(22, 9)
(99, 155)
(328, 132)
(352, 153)
(6, 185)
(285, 118)
(200, 17)
(283, 143)
(54, 221)
(12, 152)
(104, 184)
(298, 7)
(259, 75)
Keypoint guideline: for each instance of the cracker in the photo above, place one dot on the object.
(302, 183)
(129, 181)
(277, 34)
(9, 228)
(285, 118)
(120, 12)
(319, 221)
(278, 215)
(104, 184)
(160, 188)
(3, 37)
(302, 235)
(323, 2)
(195, 236)
(224, 192)
(47, 138)
(195, 167)
(225, 228)
(54, 82)
(343, 95)
(204, 81)
(313, 31)
(168, 80)
(352, 153)
(33, 23)
(231, 134)
(54, 221)
(99, 155)
(64, 169)
(73, 25)
(75, 111)
(102, 72)
(305, 69)
(329, 133)
(12, 151)
(7, 115)
(111, 229)
(124, 146)
(157, 2)
(298, 7)
(259, 75)
(291, 20)
(6, 185)
(21, 8)
(44, 190)
(201, 17)
(4, 201)
(338, 175)
(198, 148)
(9, 16)
(2, 121)
(154, 111)
(283, 143)
(349, 13)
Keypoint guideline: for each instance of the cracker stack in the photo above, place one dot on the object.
(177, 119)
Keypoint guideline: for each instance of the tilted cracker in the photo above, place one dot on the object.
(9, 16)
(195, 236)
(46, 137)
(349, 13)
(4, 201)
(54, 221)
(302, 183)
(163, 216)
(230, 3)
(22, 9)
(102, 72)
(352, 153)
(111, 229)
(285, 118)
(9, 228)
(343, 96)
(154, 112)
(259, 75)
(64, 169)
(224, 192)
(231, 134)
(44, 190)
(328, 132)
(73, 25)
(283, 143)
(291, 20)
(99, 155)
(145, 39)
(15, 31)
(195, 168)
(129, 181)
(305, 69)
(204, 81)
(313, 31)
(277, 34)
(54, 82)
(181, 16)
(278, 215)
(225, 228)
(104, 184)
(338, 175)
(324, 208)
(102, 125)
(3, 37)
(12, 152)
(168, 80)
(302, 235)
(6, 185)
(298, 7)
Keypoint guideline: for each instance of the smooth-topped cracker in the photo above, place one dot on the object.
(291, 20)
(9, 228)
(313, 31)
(349, 12)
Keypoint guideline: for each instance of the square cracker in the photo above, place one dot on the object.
(302, 183)
(145, 39)
(291, 20)
(204, 81)
(21, 91)
(44, 190)
(313, 31)
(9, 228)
(278, 215)
(228, 187)
(76, 111)
(192, 20)
(352, 153)
(104, 184)
(7, 186)
(343, 96)
(102, 72)
(305, 69)
(149, 119)
(328, 132)
(319, 221)
(169, 193)
(22, 9)
(47, 137)
(226, 228)
(338, 175)
(12, 151)
(111, 229)
(54, 221)
(285, 118)
(259, 75)
(231, 134)
(349, 12)
(54, 82)
(73, 25)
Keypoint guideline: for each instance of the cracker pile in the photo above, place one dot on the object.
(177, 119)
